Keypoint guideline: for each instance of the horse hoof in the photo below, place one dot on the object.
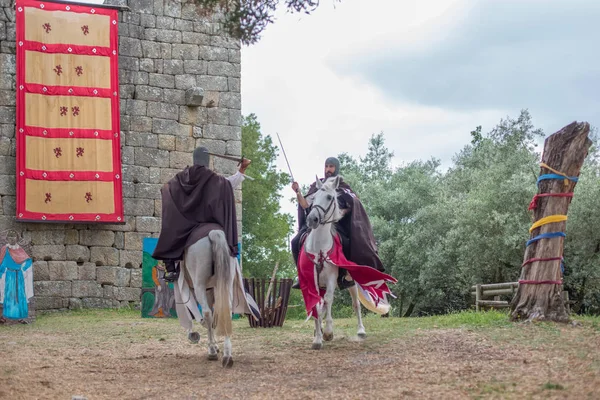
(213, 357)
(328, 337)
(362, 335)
(227, 362)
(194, 337)
(317, 346)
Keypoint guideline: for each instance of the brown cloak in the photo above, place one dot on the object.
(356, 224)
(194, 202)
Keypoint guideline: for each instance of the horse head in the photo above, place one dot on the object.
(325, 209)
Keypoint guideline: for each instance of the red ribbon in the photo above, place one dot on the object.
(533, 203)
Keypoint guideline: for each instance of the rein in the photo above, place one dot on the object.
(325, 211)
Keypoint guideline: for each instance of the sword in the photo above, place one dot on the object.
(286, 159)
(232, 158)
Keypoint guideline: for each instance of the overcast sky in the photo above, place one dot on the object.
(425, 73)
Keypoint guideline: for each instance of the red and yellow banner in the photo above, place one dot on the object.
(68, 141)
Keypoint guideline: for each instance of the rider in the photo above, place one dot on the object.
(354, 229)
(194, 202)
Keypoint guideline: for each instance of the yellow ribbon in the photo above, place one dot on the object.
(548, 220)
(544, 165)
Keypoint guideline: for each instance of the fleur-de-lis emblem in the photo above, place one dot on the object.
(64, 111)
(79, 151)
(79, 70)
(58, 152)
(85, 29)
(75, 110)
(47, 27)
(58, 70)
(88, 197)
(48, 198)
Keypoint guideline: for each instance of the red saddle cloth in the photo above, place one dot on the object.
(371, 280)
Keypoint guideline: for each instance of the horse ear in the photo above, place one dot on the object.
(336, 183)
(319, 183)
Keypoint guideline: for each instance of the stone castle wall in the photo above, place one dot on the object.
(166, 48)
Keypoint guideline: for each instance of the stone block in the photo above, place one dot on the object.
(197, 132)
(50, 302)
(222, 68)
(49, 252)
(148, 21)
(231, 100)
(87, 272)
(131, 18)
(149, 93)
(183, 25)
(163, 110)
(133, 240)
(158, 208)
(154, 176)
(135, 174)
(141, 6)
(185, 82)
(235, 56)
(41, 272)
(172, 8)
(225, 167)
(7, 185)
(212, 83)
(128, 191)
(233, 84)
(87, 289)
(166, 142)
(165, 52)
(8, 65)
(151, 157)
(63, 270)
(219, 116)
(136, 278)
(222, 132)
(165, 22)
(126, 92)
(234, 147)
(168, 36)
(142, 139)
(210, 53)
(193, 115)
(131, 258)
(173, 67)
(150, 49)
(95, 302)
(75, 304)
(159, 7)
(136, 107)
(213, 145)
(52, 288)
(109, 292)
(106, 275)
(180, 160)
(127, 294)
(5, 146)
(174, 96)
(127, 155)
(197, 67)
(194, 97)
(211, 99)
(123, 277)
(223, 42)
(167, 173)
(104, 256)
(161, 80)
(196, 38)
(148, 224)
(147, 65)
(185, 144)
(140, 78)
(141, 124)
(184, 52)
(169, 127)
(129, 225)
(148, 190)
(48, 237)
(235, 117)
(7, 165)
(138, 207)
(8, 98)
(77, 253)
(130, 47)
(102, 238)
(119, 240)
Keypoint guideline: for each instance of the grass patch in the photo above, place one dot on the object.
(553, 386)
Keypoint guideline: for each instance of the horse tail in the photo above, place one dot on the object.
(224, 285)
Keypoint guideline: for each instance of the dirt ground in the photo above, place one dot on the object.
(118, 355)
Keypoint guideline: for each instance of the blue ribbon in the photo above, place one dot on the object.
(548, 235)
(556, 176)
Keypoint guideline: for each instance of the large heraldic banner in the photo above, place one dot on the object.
(68, 141)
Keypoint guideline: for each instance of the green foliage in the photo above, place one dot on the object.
(441, 232)
(265, 230)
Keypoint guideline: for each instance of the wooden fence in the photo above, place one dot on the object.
(272, 301)
(483, 293)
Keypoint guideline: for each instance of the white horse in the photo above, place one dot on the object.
(193, 289)
(318, 245)
(321, 220)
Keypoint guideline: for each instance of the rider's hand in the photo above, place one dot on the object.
(159, 288)
(295, 187)
(245, 163)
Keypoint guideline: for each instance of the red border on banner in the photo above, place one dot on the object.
(22, 130)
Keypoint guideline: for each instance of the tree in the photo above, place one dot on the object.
(265, 231)
(247, 19)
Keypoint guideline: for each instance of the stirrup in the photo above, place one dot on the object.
(171, 276)
(296, 284)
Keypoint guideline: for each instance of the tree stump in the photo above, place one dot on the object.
(539, 295)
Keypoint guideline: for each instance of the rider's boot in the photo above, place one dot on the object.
(172, 273)
(296, 284)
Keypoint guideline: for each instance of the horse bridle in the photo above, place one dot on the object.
(325, 211)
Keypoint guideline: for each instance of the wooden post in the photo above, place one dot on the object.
(538, 297)
(567, 301)
(477, 296)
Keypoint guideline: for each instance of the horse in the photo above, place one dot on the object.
(318, 246)
(193, 289)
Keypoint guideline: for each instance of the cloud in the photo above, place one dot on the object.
(496, 55)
